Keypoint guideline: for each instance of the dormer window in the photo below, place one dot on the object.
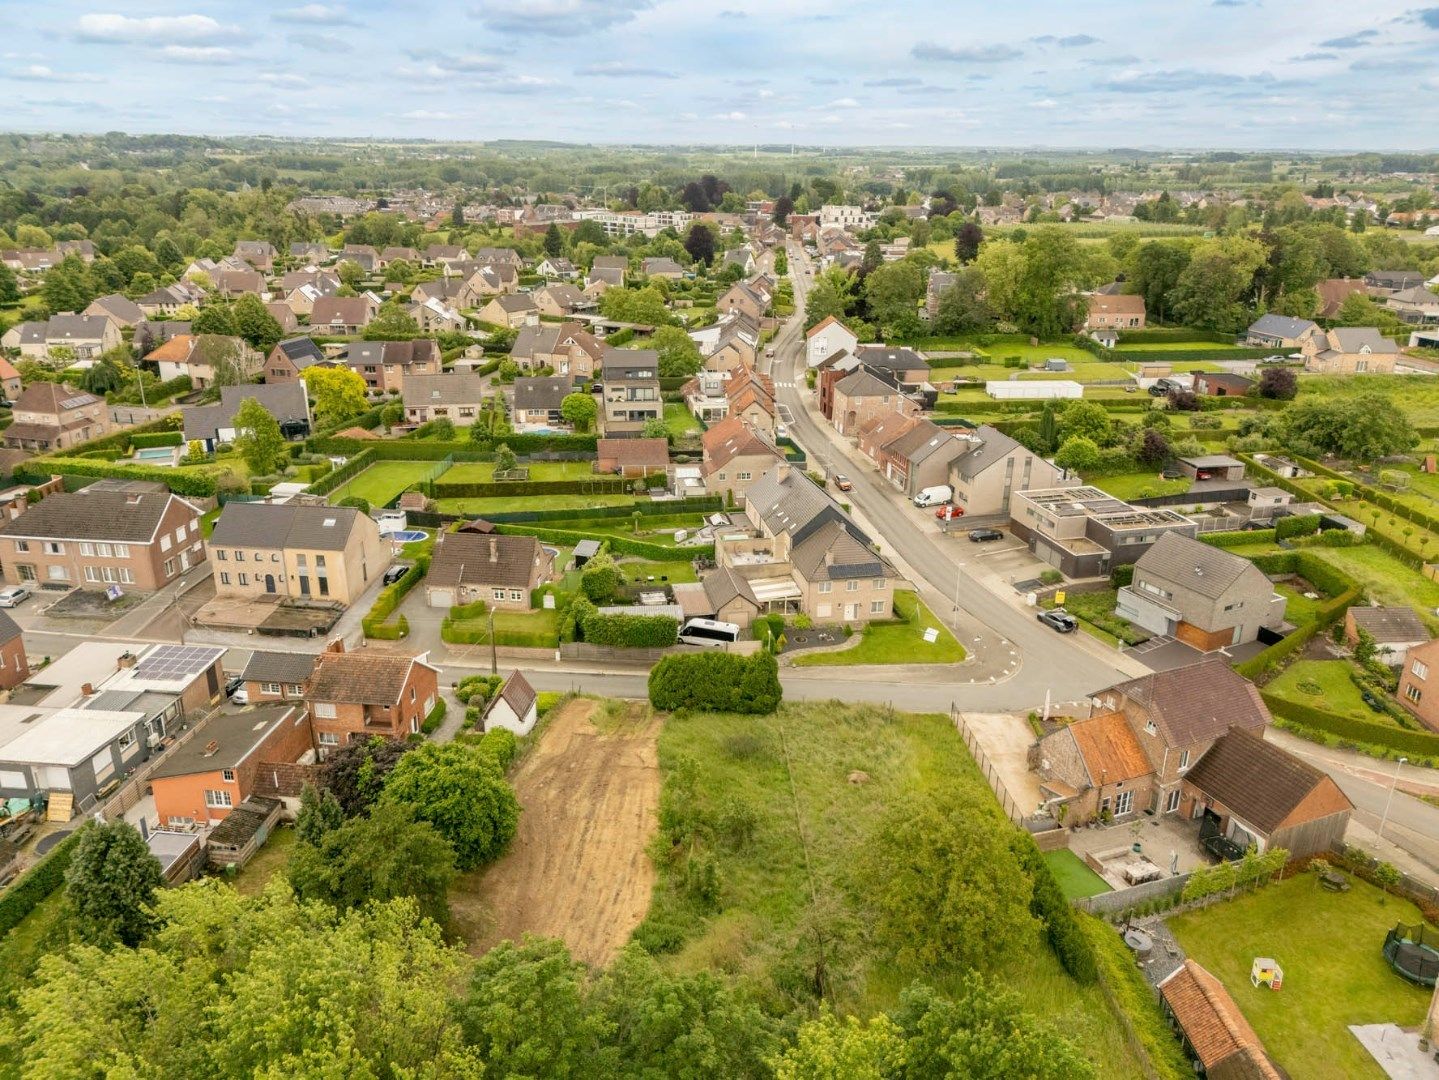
(1149, 728)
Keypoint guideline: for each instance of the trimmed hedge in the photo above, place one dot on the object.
(716, 682)
(599, 485)
(1073, 949)
(1298, 525)
(37, 884)
(630, 631)
(1342, 589)
(197, 485)
(619, 544)
(1352, 728)
(435, 719)
(1238, 538)
(346, 472)
(647, 508)
(373, 624)
(147, 439)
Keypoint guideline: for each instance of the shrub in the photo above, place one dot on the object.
(435, 719)
(1120, 576)
(1298, 525)
(37, 884)
(147, 439)
(1073, 949)
(716, 682)
(373, 624)
(360, 504)
(1135, 1003)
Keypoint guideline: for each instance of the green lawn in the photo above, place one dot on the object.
(1298, 608)
(1324, 684)
(1334, 973)
(496, 504)
(680, 422)
(537, 628)
(1384, 577)
(639, 571)
(654, 529)
(256, 874)
(383, 481)
(483, 472)
(898, 642)
(767, 923)
(1076, 880)
(1140, 485)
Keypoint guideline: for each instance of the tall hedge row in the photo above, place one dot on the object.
(1238, 538)
(197, 485)
(630, 631)
(146, 439)
(1353, 728)
(39, 882)
(346, 472)
(597, 485)
(1071, 946)
(373, 624)
(716, 682)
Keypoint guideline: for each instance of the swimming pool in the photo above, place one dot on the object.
(156, 455)
(408, 536)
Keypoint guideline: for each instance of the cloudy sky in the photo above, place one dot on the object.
(1188, 73)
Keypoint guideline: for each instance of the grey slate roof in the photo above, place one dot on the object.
(1282, 326)
(994, 445)
(1205, 569)
(1257, 780)
(451, 388)
(542, 393)
(832, 553)
(9, 628)
(790, 502)
(514, 302)
(279, 667)
(618, 363)
(890, 358)
(405, 353)
(1353, 339)
(301, 351)
(486, 559)
(271, 525)
(284, 401)
(122, 307)
(226, 740)
(723, 585)
(862, 384)
(126, 517)
(1390, 624)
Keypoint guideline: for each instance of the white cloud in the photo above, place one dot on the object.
(275, 78)
(618, 69)
(842, 103)
(199, 54)
(190, 29)
(736, 115)
(316, 14)
(429, 114)
(41, 73)
(559, 18)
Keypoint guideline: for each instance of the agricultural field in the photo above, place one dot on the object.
(383, 482)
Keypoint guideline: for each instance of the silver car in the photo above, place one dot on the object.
(14, 596)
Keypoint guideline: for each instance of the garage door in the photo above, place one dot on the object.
(442, 598)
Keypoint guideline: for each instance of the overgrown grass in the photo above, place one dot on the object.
(900, 641)
(1334, 974)
(268, 861)
(1417, 395)
(1140, 485)
(770, 920)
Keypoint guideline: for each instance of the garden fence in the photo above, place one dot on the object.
(1011, 809)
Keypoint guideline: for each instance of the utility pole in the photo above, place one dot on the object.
(494, 652)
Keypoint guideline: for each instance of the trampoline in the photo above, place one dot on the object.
(1413, 951)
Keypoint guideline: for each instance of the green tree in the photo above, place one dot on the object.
(892, 294)
(1078, 454)
(1053, 267)
(349, 273)
(580, 410)
(355, 773)
(257, 438)
(463, 794)
(1152, 272)
(601, 579)
(963, 308)
(679, 355)
(9, 286)
(1087, 418)
(655, 428)
(554, 241)
(338, 393)
(946, 891)
(216, 318)
(68, 286)
(830, 1048)
(224, 356)
(505, 459)
(700, 243)
(1362, 428)
(104, 376)
(967, 239)
(1048, 435)
(110, 885)
(380, 856)
(644, 306)
(392, 323)
(255, 324)
(320, 813)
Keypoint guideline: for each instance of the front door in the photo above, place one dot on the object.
(269, 583)
(184, 561)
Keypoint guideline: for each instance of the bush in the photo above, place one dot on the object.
(37, 884)
(1297, 525)
(1073, 949)
(1120, 576)
(147, 439)
(435, 719)
(716, 682)
(38, 470)
(360, 504)
(346, 472)
(624, 631)
(1350, 728)
(1135, 1002)
(1239, 538)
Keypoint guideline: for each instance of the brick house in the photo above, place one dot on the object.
(1222, 384)
(566, 348)
(509, 309)
(735, 455)
(749, 396)
(1351, 350)
(277, 676)
(201, 782)
(385, 365)
(14, 666)
(196, 356)
(632, 457)
(1115, 311)
(861, 397)
(502, 570)
(920, 458)
(54, 416)
(300, 551)
(342, 315)
(132, 534)
(1416, 693)
(1394, 631)
(883, 430)
(356, 695)
(537, 402)
(289, 359)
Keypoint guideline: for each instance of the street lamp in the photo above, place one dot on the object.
(1390, 801)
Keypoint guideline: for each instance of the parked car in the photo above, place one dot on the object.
(949, 513)
(14, 596)
(843, 482)
(241, 696)
(1059, 619)
(232, 684)
(394, 573)
(1172, 472)
(983, 536)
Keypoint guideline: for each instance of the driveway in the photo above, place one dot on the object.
(1006, 739)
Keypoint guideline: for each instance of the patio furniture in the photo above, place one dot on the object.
(1334, 882)
(1139, 871)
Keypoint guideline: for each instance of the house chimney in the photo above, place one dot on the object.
(335, 646)
(87, 690)
(125, 660)
(494, 550)
(782, 471)
(829, 558)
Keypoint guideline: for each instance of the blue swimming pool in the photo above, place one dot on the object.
(156, 455)
(408, 536)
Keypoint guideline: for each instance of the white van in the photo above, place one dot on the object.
(934, 496)
(709, 632)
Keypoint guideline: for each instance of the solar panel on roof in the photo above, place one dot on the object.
(175, 662)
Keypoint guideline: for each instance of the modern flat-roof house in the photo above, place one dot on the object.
(1203, 595)
(734, 457)
(1281, 332)
(216, 771)
(132, 534)
(500, 569)
(457, 396)
(53, 416)
(1351, 350)
(214, 425)
(992, 468)
(1082, 531)
(537, 403)
(357, 695)
(630, 395)
(385, 365)
(297, 551)
(1393, 630)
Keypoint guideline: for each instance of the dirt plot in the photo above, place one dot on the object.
(577, 870)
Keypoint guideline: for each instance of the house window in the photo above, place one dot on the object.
(22, 545)
(295, 688)
(52, 548)
(1149, 728)
(122, 551)
(1183, 760)
(218, 799)
(876, 607)
(1419, 669)
(165, 543)
(221, 556)
(26, 572)
(92, 574)
(244, 579)
(105, 550)
(1123, 803)
(126, 741)
(270, 688)
(879, 583)
(515, 594)
(1171, 801)
(1413, 693)
(239, 556)
(412, 693)
(497, 594)
(87, 549)
(825, 586)
(852, 585)
(59, 573)
(169, 567)
(227, 775)
(325, 710)
(224, 577)
(329, 738)
(743, 476)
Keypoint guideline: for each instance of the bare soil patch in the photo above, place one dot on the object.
(578, 868)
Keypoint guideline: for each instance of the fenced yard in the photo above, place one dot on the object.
(383, 481)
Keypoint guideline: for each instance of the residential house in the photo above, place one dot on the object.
(1255, 793)
(387, 365)
(610, 269)
(214, 425)
(741, 257)
(485, 281)
(632, 457)
(444, 254)
(992, 468)
(55, 416)
(1417, 306)
(735, 455)
(114, 532)
(258, 253)
(282, 314)
(163, 302)
(457, 396)
(1333, 292)
(661, 267)
(1351, 350)
(120, 310)
(876, 435)
(630, 395)
(1217, 1037)
(904, 367)
(741, 298)
(1384, 282)
(197, 356)
(502, 570)
(862, 397)
(362, 255)
(1116, 311)
(705, 396)
(274, 677)
(14, 665)
(537, 403)
(289, 359)
(831, 371)
(448, 290)
(397, 254)
(561, 300)
(200, 782)
(343, 315)
(749, 396)
(1414, 692)
(509, 309)
(1142, 738)
(1222, 384)
(826, 338)
(1205, 596)
(496, 256)
(151, 333)
(300, 551)
(733, 346)
(434, 316)
(1281, 332)
(554, 267)
(1392, 630)
(63, 337)
(230, 283)
(1081, 531)
(565, 348)
(358, 695)
(920, 458)
(304, 252)
(515, 708)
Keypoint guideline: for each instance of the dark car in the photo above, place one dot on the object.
(394, 573)
(1172, 472)
(1060, 620)
(1372, 700)
(982, 536)
(233, 683)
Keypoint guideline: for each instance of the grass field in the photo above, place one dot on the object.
(1298, 608)
(639, 571)
(256, 874)
(1417, 395)
(496, 504)
(1324, 684)
(539, 628)
(1076, 880)
(768, 920)
(383, 481)
(1334, 974)
(1384, 578)
(483, 472)
(898, 642)
(1140, 485)
(680, 422)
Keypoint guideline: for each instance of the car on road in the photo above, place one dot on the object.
(984, 536)
(14, 596)
(1059, 619)
(769, 351)
(843, 483)
(949, 513)
(394, 573)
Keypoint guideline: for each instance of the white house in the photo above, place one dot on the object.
(515, 707)
(826, 338)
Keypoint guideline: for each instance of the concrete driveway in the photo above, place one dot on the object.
(1006, 739)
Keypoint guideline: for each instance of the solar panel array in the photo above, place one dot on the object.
(70, 403)
(175, 662)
